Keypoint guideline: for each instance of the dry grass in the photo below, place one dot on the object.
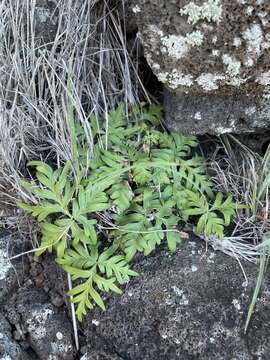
(89, 45)
(242, 172)
(89, 48)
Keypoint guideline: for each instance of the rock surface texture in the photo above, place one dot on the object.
(10, 274)
(190, 305)
(46, 328)
(46, 21)
(213, 55)
(9, 349)
(33, 321)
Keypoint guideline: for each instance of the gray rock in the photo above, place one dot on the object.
(46, 327)
(6, 273)
(10, 274)
(100, 355)
(9, 349)
(190, 305)
(125, 10)
(216, 114)
(213, 55)
(46, 21)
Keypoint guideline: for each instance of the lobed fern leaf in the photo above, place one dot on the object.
(121, 195)
(132, 194)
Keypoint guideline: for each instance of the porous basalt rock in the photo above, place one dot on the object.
(217, 113)
(11, 274)
(189, 305)
(209, 48)
(46, 328)
(9, 349)
(46, 21)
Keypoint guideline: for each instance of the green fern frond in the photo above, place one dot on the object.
(114, 267)
(121, 195)
(227, 208)
(41, 212)
(54, 236)
(195, 176)
(210, 221)
(134, 190)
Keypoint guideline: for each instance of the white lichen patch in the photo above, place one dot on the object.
(236, 304)
(95, 322)
(249, 62)
(264, 78)
(177, 46)
(236, 81)
(215, 52)
(209, 81)
(6, 357)
(221, 130)
(43, 14)
(5, 264)
(237, 42)
(136, 9)
(195, 38)
(249, 10)
(197, 116)
(263, 17)
(36, 324)
(155, 66)
(84, 357)
(60, 348)
(183, 300)
(59, 335)
(266, 96)
(52, 357)
(233, 65)
(163, 77)
(214, 40)
(175, 79)
(250, 110)
(210, 11)
(178, 79)
(177, 291)
(266, 44)
(211, 258)
(254, 39)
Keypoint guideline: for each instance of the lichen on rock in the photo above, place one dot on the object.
(210, 10)
(189, 305)
(5, 264)
(215, 47)
(178, 46)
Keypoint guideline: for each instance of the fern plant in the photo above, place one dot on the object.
(138, 190)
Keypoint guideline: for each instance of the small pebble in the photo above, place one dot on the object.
(59, 335)
(17, 335)
(39, 280)
(36, 269)
(57, 300)
(95, 322)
